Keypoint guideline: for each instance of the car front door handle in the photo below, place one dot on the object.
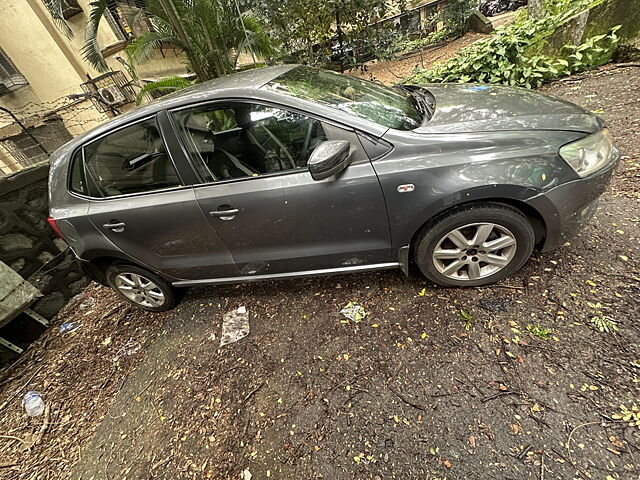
(117, 227)
(228, 214)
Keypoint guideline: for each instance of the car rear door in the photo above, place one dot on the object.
(142, 204)
(263, 203)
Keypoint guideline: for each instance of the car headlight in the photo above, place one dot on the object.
(589, 154)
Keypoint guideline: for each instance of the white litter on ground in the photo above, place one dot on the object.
(235, 325)
(353, 311)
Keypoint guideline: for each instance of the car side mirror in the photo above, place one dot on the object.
(329, 158)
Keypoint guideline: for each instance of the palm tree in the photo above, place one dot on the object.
(211, 33)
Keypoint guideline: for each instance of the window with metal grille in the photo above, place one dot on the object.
(127, 18)
(70, 8)
(10, 76)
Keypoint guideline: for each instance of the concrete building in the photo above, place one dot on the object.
(40, 67)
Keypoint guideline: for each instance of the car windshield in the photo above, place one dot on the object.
(390, 107)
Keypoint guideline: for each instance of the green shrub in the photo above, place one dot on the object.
(429, 39)
(513, 55)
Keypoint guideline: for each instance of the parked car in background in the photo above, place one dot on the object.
(293, 171)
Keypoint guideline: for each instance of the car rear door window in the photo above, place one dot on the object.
(247, 140)
(133, 159)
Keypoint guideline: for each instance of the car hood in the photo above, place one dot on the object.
(465, 108)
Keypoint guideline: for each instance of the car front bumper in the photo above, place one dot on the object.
(567, 208)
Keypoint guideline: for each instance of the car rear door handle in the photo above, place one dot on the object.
(228, 214)
(117, 227)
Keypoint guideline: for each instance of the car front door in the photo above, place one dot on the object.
(139, 202)
(261, 200)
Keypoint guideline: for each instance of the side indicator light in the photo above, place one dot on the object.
(408, 187)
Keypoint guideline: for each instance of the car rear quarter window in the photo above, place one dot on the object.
(130, 160)
(77, 181)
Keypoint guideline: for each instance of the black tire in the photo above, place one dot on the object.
(168, 292)
(503, 216)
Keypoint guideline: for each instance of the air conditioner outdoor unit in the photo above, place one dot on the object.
(111, 95)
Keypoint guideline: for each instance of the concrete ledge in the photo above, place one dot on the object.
(24, 177)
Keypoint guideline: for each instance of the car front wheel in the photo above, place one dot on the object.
(474, 245)
(141, 288)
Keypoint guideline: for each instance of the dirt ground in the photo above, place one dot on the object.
(395, 71)
(514, 381)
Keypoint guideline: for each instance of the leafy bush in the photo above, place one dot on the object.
(429, 39)
(455, 15)
(513, 55)
(455, 20)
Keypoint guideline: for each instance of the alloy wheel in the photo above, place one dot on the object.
(474, 251)
(139, 289)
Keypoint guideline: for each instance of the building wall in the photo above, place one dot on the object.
(53, 65)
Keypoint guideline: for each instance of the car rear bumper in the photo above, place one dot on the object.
(567, 208)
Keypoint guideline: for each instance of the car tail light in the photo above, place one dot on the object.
(54, 226)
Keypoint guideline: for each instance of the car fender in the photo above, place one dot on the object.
(514, 195)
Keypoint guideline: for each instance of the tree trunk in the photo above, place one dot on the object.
(170, 9)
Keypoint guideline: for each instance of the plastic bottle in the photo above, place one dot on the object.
(33, 403)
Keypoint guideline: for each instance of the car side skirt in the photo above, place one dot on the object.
(275, 276)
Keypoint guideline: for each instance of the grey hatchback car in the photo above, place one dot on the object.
(294, 171)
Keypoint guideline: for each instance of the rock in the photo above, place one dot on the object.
(45, 257)
(15, 241)
(17, 264)
(49, 305)
(629, 51)
(61, 244)
(479, 23)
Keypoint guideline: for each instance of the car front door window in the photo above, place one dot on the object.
(248, 140)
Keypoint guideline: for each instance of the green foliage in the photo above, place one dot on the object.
(605, 324)
(324, 32)
(55, 9)
(602, 322)
(455, 15)
(91, 49)
(468, 319)
(164, 86)
(513, 55)
(538, 331)
(432, 38)
(455, 22)
(211, 33)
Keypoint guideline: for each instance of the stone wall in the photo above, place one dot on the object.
(599, 21)
(29, 246)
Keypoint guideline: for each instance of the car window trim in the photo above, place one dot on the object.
(153, 116)
(72, 162)
(262, 102)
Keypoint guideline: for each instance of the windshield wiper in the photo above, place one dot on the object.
(425, 106)
(420, 103)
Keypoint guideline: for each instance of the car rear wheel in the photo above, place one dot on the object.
(474, 245)
(141, 288)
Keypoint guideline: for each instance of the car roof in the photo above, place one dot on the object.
(253, 78)
(248, 80)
